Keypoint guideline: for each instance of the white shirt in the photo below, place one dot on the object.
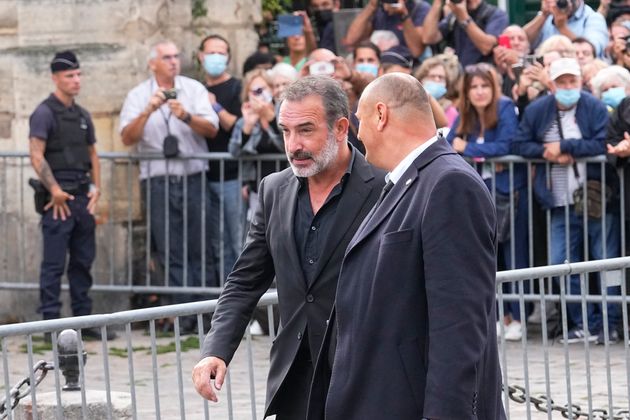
(194, 97)
(404, 164)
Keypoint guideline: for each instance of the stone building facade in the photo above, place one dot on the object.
(112, 39)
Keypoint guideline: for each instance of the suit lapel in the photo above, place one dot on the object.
(409, 178)
(288, 202)
(352, 199)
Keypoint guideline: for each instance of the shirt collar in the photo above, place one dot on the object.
(395, 175)
(579, 13)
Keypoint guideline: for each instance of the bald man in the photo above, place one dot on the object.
(415, 306)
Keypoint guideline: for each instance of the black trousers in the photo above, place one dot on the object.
(74, 236)
(292, 397)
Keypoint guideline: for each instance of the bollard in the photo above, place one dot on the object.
(68, 345)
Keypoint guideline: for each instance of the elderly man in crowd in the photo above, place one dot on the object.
(171, 114)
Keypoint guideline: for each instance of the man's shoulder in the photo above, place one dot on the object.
(42, 111)
(144, 87)
(277, 179)
(188, 82)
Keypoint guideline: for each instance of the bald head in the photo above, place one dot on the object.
(322, 54)
(402, 92)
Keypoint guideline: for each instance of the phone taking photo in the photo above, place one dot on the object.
(504, 41)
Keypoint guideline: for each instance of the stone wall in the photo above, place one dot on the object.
(112, 39)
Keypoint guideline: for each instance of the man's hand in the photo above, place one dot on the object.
(155, 101)
(459, 10)
(459, 144)
(207, 369)
(547, 6)
(565, 159)
(552, 151)
(58, 203)
(622, 149)
(399, 8)
(177, 108)
(94, 194)
(560, 17)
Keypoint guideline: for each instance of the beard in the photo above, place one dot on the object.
(319, 162)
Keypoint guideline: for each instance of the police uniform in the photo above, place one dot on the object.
(68, 133)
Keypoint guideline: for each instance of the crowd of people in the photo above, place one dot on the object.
(553, 90)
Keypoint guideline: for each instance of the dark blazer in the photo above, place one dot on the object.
(415, 304)
(270, 251)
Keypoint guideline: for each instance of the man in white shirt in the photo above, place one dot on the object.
(171, 114)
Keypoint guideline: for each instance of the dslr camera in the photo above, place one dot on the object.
(456, 1)
(563, 4)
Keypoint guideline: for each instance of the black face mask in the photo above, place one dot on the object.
(323, 17)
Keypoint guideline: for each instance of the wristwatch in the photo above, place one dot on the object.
(187, 118)
(464, 23)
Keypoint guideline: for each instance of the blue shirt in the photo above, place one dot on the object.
(465, 49)
(385, 22)
(586, 23)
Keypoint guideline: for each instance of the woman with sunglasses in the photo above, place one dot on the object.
(256, 132)
(485, 127)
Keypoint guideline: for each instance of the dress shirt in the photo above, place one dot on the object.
(404, 164)
(312, 230)
(194, 97)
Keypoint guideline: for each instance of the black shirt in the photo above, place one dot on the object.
(311, 231)
(228, 94)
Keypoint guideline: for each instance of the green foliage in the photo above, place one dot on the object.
(276, 6)
(198, 8)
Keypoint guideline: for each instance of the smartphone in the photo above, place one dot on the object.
(530, 59)
(289, 25)
(504, 41)
(325, 68)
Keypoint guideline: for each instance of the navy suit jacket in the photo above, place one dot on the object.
(415, 303)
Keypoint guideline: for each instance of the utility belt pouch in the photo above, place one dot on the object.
(42, 196)
(593, 200)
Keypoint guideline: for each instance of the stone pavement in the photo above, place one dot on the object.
(173, 405)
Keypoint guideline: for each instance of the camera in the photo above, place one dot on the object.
(170, 94)
(562, 4)
(456, 1)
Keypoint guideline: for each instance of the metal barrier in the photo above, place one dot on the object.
(544, 378)
(128, 258)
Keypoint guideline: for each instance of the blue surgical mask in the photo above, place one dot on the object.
(613, 96)
(215, 64)
(567, 97)
(367, 68)
(435, 89)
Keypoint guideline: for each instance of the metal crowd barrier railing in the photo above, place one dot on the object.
(127, 259)
(542, 377)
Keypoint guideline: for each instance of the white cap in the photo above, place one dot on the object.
(564, 66)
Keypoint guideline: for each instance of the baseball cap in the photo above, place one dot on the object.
(564, 66)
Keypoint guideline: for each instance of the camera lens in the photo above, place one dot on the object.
(562, 4)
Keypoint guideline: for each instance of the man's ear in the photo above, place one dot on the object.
(381, 116)
(341, 128)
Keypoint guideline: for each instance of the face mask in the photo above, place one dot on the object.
(323, 17)
(613, 96)
(435, 89)
(215, 64)
(367, 68)
(567, 97)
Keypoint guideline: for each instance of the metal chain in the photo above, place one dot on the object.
(545, 404)
(16, 393)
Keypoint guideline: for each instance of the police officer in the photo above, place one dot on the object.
(64, 157)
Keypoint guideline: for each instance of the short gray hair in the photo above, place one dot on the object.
(333, 97)
(612, 73)
(153, 52)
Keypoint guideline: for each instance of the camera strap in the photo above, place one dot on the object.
(561, 134)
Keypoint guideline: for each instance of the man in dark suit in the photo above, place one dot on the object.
(415, 304)
(305, 219)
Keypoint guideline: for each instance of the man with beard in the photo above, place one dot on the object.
(305, 219)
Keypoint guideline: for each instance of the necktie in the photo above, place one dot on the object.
(386, 189)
